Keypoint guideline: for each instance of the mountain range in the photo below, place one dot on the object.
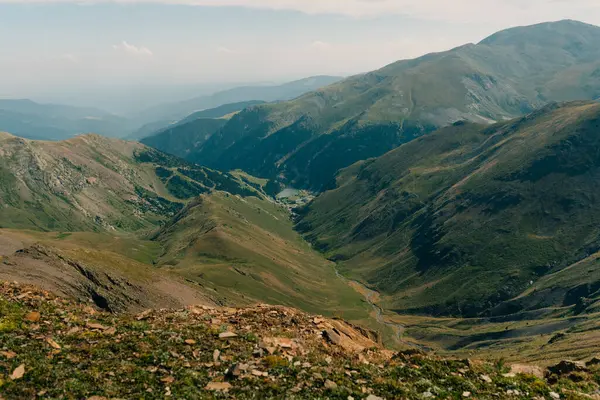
(474, 220)
(450, 201)
(33, 120)
(306, 140)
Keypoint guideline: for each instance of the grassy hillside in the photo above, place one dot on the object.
(246, 250)
(183, 138)
(307, 140)
(82, 213)
(221, 249)
(94, 183)
(473, 220)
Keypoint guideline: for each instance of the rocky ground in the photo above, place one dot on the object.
(51, 347)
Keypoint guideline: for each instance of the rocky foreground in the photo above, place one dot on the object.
(52, 347)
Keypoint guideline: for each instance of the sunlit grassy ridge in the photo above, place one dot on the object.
(247, 250)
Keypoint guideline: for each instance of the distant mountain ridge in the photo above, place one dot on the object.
(182, 139)
(26, 118)
(268, 93)
(26, 106)
(222, 111)
(225, 111)
(185, 136)
(33, 120)
(306, 140)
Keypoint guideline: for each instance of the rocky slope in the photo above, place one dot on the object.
(57, 348)
(305, 141)
(95, 183)
(474, 220)
(92, 270)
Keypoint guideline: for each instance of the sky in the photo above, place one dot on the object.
(63, 46)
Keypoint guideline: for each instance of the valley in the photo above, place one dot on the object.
(374, 234)
(438, 225)
(133, 210)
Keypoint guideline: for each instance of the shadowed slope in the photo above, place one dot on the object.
(463, 220)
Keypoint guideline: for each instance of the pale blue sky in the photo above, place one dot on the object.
(56, 45)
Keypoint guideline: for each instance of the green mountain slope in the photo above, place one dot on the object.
(223, 111)
(286, 91)
(95, 183)
(183, 138)
(92, 216)
(473, 220)
(305, 141)
(246, 249)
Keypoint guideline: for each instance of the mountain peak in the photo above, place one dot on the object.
(546, 33)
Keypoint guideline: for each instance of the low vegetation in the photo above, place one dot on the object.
(57, 348)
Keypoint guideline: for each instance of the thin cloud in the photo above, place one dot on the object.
(224, 50)
(320, 45)
(72, 58)
(132, 49)
(457, 10)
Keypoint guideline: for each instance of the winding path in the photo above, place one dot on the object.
(369, 295)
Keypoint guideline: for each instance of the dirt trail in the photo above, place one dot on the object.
(371, 296)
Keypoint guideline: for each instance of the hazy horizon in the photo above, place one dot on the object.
(102, 53)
